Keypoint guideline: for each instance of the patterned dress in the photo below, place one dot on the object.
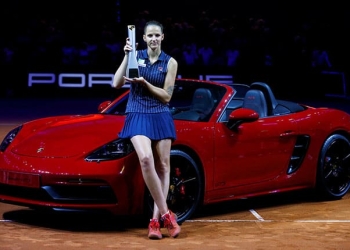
(145, 114)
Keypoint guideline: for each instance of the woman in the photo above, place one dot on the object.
(149, 123)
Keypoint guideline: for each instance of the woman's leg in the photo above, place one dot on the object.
(161, 154)
(143, 148)
(162, 159)
(157, 182)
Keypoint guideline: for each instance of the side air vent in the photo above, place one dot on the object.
(300, 149)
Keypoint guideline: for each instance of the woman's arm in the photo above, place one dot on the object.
(163, 94)
(118, 79)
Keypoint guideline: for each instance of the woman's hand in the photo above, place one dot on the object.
(128, 47)
(139, 80)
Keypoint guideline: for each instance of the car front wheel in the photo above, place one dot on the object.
(185, 189)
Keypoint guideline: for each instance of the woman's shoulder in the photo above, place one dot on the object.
(142, 53)
(165, 56)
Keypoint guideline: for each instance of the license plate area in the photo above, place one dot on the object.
(20, 179)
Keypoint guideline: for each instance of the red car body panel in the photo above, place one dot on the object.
(247, 161)
(260, 147)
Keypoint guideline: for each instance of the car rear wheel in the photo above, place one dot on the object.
(333, 176)
(185, 189)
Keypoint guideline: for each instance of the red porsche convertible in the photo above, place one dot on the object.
(233, 141)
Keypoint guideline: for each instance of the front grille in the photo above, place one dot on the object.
(99, 194)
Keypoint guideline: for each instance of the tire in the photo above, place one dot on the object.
(186, 187)
(333, 173)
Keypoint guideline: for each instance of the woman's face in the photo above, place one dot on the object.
(153, 36)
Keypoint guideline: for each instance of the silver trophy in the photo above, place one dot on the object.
(132, 70)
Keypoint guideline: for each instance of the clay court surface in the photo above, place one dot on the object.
(288, 221)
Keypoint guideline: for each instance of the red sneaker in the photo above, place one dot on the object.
(154, 230)
(170, 223)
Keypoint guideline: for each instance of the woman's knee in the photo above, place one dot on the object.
(146, 160)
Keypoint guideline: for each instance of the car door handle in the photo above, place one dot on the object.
(287, 133)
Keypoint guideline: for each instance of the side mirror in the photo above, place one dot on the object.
(103, 105)
(241, 115)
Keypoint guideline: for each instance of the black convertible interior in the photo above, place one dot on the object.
(196, 101)
(259, 97)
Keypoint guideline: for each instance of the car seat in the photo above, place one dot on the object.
(202, 102)
(255, 99)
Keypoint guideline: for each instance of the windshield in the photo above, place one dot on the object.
(191, 100)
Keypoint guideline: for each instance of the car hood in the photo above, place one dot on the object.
(67, 136)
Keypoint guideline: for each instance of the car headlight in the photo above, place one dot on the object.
(111, 151)
(9, 138)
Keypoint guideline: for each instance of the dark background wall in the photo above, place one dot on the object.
(275, 39)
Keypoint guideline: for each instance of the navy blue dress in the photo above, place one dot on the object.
(145, 114)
